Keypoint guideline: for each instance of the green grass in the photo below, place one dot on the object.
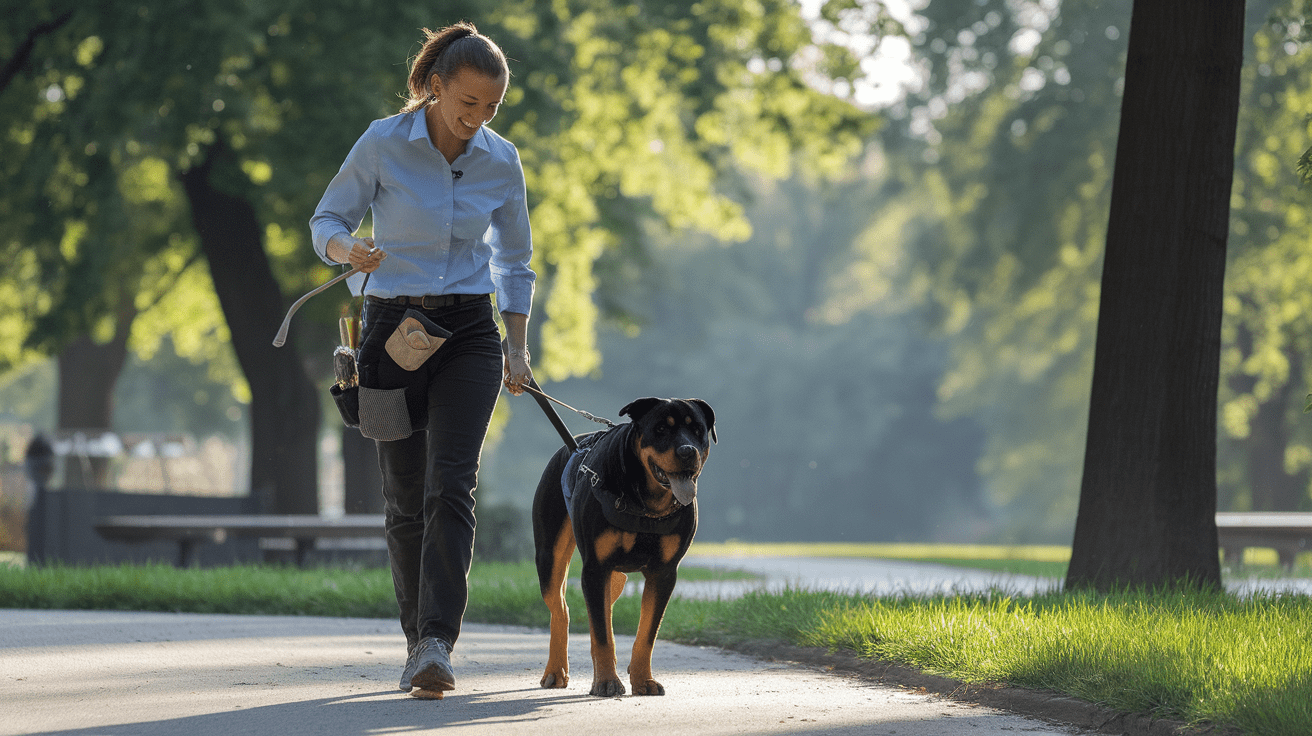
(499, 592)
(1200, 658)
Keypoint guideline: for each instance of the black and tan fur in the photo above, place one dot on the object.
(668, 441)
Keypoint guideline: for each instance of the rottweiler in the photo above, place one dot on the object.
(627, 498)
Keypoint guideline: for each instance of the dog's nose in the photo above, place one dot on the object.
(686, 452)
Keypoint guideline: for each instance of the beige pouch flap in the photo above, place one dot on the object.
(409, 345)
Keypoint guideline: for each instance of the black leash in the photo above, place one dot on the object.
(544, 400)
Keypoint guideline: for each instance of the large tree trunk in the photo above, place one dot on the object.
(1147, 513)
(284, 402)
(88, 372)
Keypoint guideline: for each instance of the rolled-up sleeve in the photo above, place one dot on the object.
(512, 249)
(348, 196)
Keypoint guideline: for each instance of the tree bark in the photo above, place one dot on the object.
(284, 401)
(1147, 512)
(88, 372)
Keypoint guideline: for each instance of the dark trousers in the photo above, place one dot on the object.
(430, 476)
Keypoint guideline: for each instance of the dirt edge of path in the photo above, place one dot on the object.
(1047, 705)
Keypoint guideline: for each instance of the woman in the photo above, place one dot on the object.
(450, 217)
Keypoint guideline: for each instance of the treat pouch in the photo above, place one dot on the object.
(415, 340)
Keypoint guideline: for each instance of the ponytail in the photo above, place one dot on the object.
(447, 52)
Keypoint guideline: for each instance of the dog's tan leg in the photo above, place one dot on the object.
(655, 597)
(617, 582)
(557, 672)
(605, 678)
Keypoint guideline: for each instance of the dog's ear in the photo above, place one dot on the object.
(636, 408)
(709, 413)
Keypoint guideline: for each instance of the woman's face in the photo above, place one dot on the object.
(468, 101)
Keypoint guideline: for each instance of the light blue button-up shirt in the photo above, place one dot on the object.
(444, 232)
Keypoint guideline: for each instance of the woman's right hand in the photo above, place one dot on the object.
(358, 252)
(365, 256)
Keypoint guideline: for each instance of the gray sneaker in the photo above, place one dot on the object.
(432, 669)
(411, 662)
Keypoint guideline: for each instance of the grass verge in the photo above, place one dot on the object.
(1192, 657)
(1199, 658)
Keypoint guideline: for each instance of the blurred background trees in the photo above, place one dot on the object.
(870, 236)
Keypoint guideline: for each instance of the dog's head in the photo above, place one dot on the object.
(672, 440)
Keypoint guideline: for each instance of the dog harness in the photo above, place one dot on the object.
(598, 468)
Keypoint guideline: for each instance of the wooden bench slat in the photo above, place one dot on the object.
(186, 530)
(1288, 532)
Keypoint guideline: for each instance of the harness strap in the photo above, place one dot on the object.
(599, 479)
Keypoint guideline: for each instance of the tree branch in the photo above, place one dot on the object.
(24, 51)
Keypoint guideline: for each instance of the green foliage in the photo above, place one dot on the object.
(999, 182)
(1266, 322)
(825, 416)
(1002, 164)
(621, 118)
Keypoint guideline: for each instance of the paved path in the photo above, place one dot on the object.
(854, 575)
(140, 674)
(891, 577)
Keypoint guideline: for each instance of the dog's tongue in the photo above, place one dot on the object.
(685, 489)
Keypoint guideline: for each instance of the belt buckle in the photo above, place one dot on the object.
(437, 301)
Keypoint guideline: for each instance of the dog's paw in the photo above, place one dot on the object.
(647, 687)
(558, 678)
(607, 688)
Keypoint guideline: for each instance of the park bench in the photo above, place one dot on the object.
(1287, 532)
(187, 531)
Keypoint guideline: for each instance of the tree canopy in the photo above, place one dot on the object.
(623, 116)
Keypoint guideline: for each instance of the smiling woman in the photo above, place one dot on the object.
(450, 218)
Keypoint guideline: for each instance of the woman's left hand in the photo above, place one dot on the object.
(516, 371)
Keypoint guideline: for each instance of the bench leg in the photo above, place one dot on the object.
(303, 547)
(1287, 555)
(186, 552)
(1233, 556)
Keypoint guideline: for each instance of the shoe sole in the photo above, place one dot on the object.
(432, 679)
(424, 694)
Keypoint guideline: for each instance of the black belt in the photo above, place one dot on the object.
(429, 301)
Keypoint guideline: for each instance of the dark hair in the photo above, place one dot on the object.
(447, 52)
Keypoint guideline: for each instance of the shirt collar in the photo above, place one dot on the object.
(419, 133)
